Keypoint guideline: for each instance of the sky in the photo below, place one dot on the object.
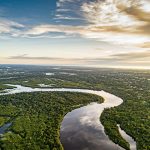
(98, 33)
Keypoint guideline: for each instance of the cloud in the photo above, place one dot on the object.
(145, 45)
(43, 29)
(125, 18)
(119, 22)
(62, 17)
(62, 10)
(70, 10)
(9, 27)
(123, 58)
(105, 34)
(125, 13)
(102, 13)
(116, 22)
(26, 57)
(135, 11)
(133, 56)
(139, 12)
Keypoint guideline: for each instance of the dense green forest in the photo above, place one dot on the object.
(36, 118)
(133, 86)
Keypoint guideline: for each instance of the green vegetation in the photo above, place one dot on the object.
(2, 121)
(133, 86)
(3, 87)
(133, 115)
(36, 118)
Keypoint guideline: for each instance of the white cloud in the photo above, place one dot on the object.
(119, 22)
(109, 21)
(41, 29)
(106, 12)
(145, 5)
(8, 26)
(88, 32)
(62, 17)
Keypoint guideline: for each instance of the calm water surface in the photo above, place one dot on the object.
(81, 129)
(4, 128)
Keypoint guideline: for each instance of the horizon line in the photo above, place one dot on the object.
(85, 66)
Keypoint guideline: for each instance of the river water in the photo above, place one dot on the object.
(81, 128)
(5, 127)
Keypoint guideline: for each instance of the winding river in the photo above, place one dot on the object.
(81, 128)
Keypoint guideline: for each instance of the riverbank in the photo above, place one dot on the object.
(110, 100)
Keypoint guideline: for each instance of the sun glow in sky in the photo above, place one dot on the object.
(101, 33)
